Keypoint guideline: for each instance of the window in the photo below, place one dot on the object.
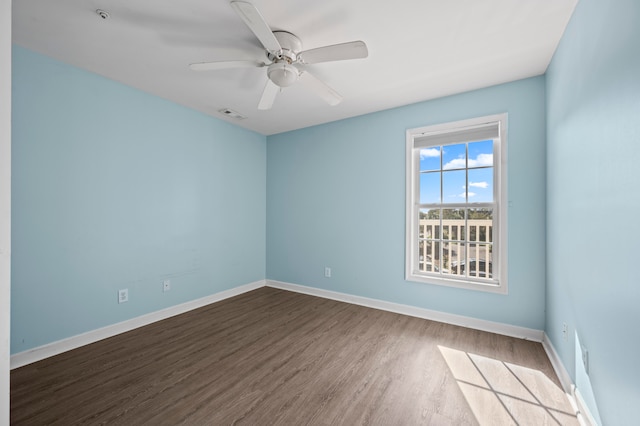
(456, 204)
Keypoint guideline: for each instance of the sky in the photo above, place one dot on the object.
(454, 185)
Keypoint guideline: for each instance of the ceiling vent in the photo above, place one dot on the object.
(103, 14)
(231, 113)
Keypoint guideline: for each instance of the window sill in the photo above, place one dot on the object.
(489, 286)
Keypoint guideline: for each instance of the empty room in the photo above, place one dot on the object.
(301, 212)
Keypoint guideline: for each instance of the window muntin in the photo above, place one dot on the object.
(455, 204)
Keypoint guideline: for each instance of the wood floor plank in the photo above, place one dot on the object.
(281, 358)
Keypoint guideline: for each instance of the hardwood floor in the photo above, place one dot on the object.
(275, 357)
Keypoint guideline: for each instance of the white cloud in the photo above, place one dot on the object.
(458, 163)
(481, 161)
(483, 185)
(429, 153)
(471, 194)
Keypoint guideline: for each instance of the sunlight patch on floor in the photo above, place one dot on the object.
(501, 393)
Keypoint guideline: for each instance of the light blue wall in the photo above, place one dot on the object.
(593, 160)
(114, 188)
(336, 197)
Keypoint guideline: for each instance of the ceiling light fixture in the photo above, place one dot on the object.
(282, 74)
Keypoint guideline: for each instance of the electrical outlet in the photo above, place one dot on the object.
(585, 359)
(166, 285)
(123, 295)
(327, 272)
(565, 332)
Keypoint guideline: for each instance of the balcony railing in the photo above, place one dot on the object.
(458, 247)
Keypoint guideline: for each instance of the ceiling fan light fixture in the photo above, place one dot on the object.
(282, 74)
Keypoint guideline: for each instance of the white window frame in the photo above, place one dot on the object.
(454, 133)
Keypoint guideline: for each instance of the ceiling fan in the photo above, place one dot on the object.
(286, 58)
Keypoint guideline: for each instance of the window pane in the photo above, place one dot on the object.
(429, 224)
(430, 188)
(479, 261)
(429, 256)
(481, 185)
(453, 186)
(453, 156)
(430, 158)
(452, 254)
(453, 224)
(481, 154)
(459, 267)
(480, 225)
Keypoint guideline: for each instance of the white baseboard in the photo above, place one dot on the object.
(582, 411)
(474, 323)
(558, 366)
(55, 348)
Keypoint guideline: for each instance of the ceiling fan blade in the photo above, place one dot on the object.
(320, 88)
(335, 52)
(220, 65)
(268, 95)
(256, 23)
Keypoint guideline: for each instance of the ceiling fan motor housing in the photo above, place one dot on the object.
(291, 46)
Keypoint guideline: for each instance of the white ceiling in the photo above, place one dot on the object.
(418, 49)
